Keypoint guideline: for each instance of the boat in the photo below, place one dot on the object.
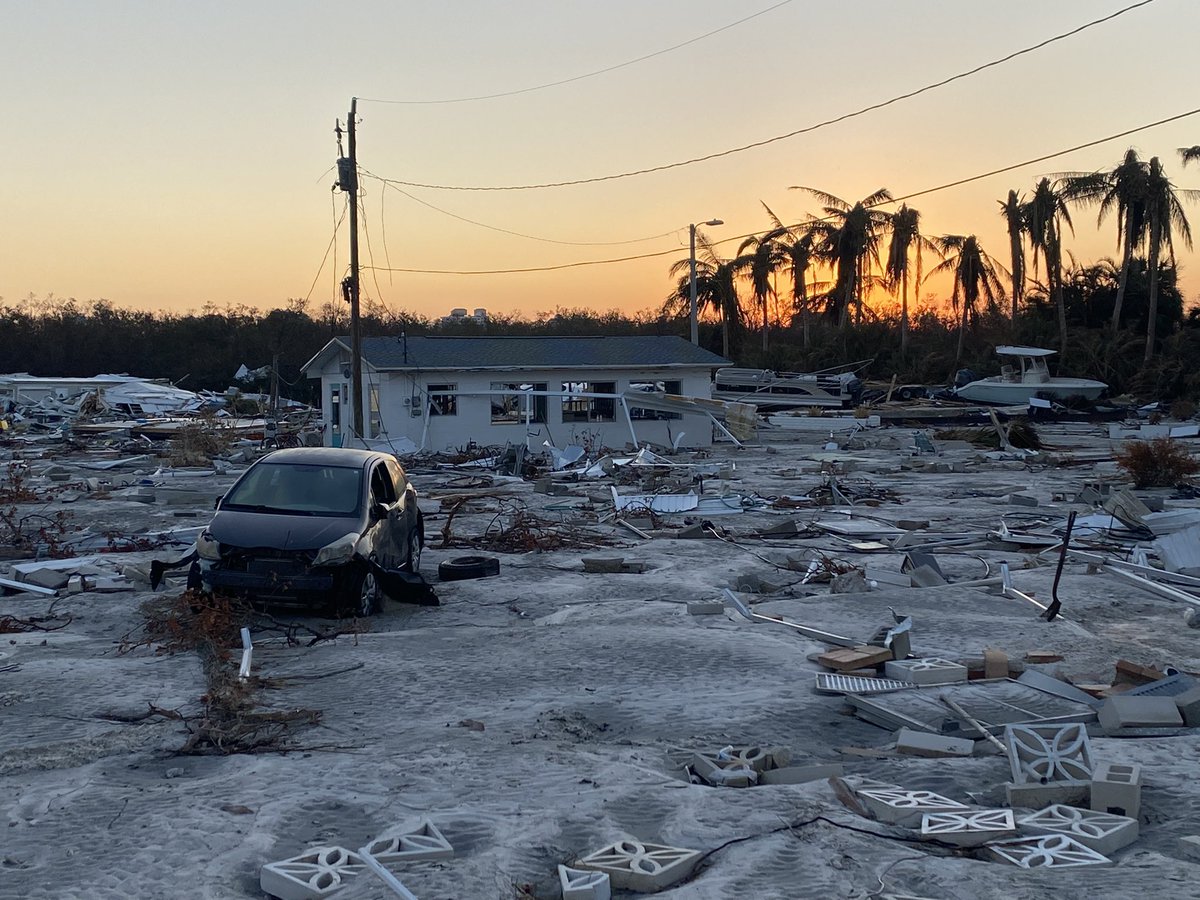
(1015, 386)
(773, 391)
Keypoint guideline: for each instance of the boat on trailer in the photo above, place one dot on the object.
(1025, 375)
(770, 390)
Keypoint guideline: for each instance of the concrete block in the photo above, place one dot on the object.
(1117, 789)
(580, 884)
(705, 608)
(897, 806)
(969, 829)
(603, 564)
(1188, 704)
(1122, 712)
(1101, 831)
(48, 578)
(717, 774)
(1032, 795)
(801, 774)
(641, 867)
(924, 576)
(312, 875)
(1045, 754)
(849, 583)
(1022, 500)
(931, 670)
(1052, 851)
(424, 841)
(912, 524)
(995, 664)
(933, 746)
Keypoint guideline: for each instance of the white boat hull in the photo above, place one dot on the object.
(998, 391)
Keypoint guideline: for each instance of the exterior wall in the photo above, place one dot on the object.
(472, 422)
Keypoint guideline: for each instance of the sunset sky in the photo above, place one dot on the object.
(164, 155)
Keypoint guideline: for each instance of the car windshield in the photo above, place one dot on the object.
(298, 490)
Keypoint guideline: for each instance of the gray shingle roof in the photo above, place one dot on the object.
(534, 352)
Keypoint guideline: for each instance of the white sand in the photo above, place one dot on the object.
(584, 682)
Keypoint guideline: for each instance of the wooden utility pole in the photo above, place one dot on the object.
(355, 326)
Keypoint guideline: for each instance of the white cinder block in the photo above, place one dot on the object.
(312, 875)
(1053, 851)
(1117, 789)
(1101, 831)
(931, 670)
(922, 743)
(644, 868)
(425, 841)
(580, 884)
(897, 806)
(1041, 754)
(1032, 795)
(1121, 712)
(969, 829)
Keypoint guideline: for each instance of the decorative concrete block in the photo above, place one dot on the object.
(580, 884)
(801, 774)
(641, 867)
(312, 875)
(931, 670)
(723, 773)
(922, 743)
(897, 806)
(969, 829)
(423, 842)
(1188, 704)
(1121, 712)
(1032, 795)
(1117, 789)
(1041, 754)
(1053, 851)
(1103, 832)
(757, 758)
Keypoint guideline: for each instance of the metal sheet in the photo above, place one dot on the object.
(830, 683)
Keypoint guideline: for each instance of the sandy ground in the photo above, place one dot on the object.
(584, 684)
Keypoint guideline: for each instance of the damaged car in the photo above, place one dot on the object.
(321, 527)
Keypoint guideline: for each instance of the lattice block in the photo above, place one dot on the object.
(832, 683)
(641, 867)
(579, 884)
(926, 671)
(1046, 754)
(969, 829)
(1055, 851)
(900, 807)
(1103, 832)
(314, 874)
(423, 842)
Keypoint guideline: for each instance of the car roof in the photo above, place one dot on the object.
(325, 456)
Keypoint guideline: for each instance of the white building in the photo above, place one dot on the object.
(445, 393)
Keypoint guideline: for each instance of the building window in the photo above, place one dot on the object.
(442, 399)
(374, 426)
(588, 409)
(664, 387)
(511, 406)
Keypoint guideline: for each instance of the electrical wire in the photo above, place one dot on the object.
(808, 129)
(337, 223)
(532, 237)
(574, 78)
(904, 197)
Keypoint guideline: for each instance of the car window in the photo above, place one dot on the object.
(382, 489)
(398, 476)
(304, 489)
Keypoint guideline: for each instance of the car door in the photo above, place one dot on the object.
(388, 530)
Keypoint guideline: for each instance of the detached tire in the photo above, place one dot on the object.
(463, 567)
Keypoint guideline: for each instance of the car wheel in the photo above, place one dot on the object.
(463, 567)
(361, 596)
(413, 562)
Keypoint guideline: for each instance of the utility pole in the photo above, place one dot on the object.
(355, 325)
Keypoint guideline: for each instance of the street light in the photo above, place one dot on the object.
(692, 278)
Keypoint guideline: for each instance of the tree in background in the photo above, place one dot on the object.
(975, 275)
(1164, 217)
(907, 240)
(1046, 212)
(759, 258)
(716, 289)
(797, 243)
(1013, 211)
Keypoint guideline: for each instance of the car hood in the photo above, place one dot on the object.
(251, 529)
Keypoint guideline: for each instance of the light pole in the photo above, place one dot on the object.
(692, 279)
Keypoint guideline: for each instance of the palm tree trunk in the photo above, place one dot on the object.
(1152, 318)
(725, 336)
(904, 314)
(1126, 259)
(962, 332)
(1018, 273)
(763, 300)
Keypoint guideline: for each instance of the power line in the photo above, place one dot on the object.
(808, 129)
(920, 193)
(574, 78)
(332, 242)
(532, 237)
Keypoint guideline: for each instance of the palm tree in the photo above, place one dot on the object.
(1164, 216)
(716, 288)
(847, 238)
(1013, 212)
(975, 275)
(797, 243)
(906, 237)
(1123, 188)
(760, 257)
(1189, 154)
(1045, 213)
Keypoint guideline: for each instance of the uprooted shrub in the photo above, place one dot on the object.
(1161, 462)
